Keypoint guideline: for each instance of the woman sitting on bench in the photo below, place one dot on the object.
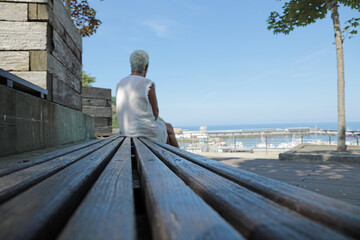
(136, 104)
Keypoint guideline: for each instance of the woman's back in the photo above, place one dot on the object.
(134, 110)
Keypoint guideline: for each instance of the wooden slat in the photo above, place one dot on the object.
(336, 214)
(41, 211)
(16, 182)
(174, 211)
(252, 214)
(107, 212)
(13, 166)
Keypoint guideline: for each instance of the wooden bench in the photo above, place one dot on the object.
(136, 188)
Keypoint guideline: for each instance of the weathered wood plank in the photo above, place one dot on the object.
(59, 28)
(108, 211)
(94, 102)
(65, 95)
(333, 213)
(13, 11)
(174, 210)
(101, 122)
(98, 111)
(10, 167)
(42, 210)
(14, 61)
(99, 130)
(252, 214)
(64, 55)
(56, 68)
(93, 92)
(16, 182)
(61, 13)
(23, 35)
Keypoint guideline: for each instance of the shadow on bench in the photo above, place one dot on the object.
(135, 188)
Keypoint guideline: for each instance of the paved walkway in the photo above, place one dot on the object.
(325, 153)
(337, 180)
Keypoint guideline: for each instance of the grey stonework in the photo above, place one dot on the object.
(40, 43)
(28, 123)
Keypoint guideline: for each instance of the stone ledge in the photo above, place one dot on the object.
(321, 153)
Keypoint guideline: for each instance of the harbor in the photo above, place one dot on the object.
(249, 140)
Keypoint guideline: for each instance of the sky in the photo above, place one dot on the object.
(215, 62)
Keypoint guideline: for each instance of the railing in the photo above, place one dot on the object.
(270, 140)
(17, 83)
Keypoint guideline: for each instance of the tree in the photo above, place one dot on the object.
(300, 13)
(87, 80)
(83, 16)
(115, 122)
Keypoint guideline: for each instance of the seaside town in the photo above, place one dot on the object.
(179, 120)
(250, 140)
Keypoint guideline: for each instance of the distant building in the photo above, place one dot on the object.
(202, 128)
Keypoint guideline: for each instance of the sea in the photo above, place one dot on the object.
(279, 142)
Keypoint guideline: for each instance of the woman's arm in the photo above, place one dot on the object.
(153, 102)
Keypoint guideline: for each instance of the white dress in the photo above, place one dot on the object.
(134, 112)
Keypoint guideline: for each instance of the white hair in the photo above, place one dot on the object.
(139, 59)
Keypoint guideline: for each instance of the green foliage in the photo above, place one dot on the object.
(87, 80)
(350, 29)
(115, 122)
(84, 17)
(300, 13)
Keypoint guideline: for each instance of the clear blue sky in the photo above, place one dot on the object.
(215, 62)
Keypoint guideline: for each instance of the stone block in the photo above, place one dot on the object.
(98, 111)
(94, 102)
(13, 11)
(23, 35)
(33, 11)
(43, 12)
(65, 95)
(93, 92)
(37, 78)
(29, 123)
(38, 60)
(14, 61)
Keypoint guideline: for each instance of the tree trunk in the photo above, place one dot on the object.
(333, 7)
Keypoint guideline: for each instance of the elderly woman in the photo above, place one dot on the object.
(136, 104)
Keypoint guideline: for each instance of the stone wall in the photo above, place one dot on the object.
(40, 43)
(28, 123)
(97, 103)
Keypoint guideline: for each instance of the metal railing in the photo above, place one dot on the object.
(15, 82)
(265, 141)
